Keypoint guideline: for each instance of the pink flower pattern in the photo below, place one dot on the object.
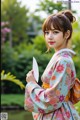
(61, 98)
(41, 111)
(72, 74)
(60, 68)
(37, 98)
(68, 114)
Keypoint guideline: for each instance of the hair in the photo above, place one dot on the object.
(60, 21)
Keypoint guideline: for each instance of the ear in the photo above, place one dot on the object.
(67, 34)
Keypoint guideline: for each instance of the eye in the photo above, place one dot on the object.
(46, 32)
(55, 32)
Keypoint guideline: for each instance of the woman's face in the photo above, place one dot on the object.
(54, 39)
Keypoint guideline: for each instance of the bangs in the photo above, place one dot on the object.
(52, 22)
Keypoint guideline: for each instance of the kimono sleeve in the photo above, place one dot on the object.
(45, 101)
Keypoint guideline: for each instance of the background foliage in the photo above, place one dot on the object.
(28, 41)
(17, 17)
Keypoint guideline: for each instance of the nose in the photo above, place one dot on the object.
(50, 36)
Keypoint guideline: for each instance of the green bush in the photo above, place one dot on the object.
(76, 46)
(39, 44)
(21, 63)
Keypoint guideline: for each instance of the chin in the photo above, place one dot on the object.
(51, 46)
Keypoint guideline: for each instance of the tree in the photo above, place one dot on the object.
(69, 4)
(49, 6)
(17, 17)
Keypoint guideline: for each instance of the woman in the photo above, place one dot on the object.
(51, 101)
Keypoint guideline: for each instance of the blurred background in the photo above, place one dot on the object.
(21, 39)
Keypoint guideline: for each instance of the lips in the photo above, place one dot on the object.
(51, 42)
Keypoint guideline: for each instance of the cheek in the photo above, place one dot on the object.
(59, 38)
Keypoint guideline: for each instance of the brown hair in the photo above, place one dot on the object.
(60, 21)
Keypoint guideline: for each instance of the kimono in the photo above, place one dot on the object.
(51, 101)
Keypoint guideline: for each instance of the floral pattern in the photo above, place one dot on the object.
(60, 68)
(61, 98)
(50, 103)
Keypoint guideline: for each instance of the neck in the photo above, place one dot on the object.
(56, 50)
(60, 47)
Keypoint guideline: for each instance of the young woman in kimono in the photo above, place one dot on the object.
(51, 101)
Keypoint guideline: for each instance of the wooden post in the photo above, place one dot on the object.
(69, 4)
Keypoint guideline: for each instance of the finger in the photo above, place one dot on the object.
(28, 73)
(31, 72)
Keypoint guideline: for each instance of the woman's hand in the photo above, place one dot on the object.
(30, 76)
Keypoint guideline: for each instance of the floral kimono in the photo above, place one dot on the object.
(51, 101)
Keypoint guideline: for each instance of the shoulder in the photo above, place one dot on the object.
(65, 60)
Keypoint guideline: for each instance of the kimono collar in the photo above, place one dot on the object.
(65, 50)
